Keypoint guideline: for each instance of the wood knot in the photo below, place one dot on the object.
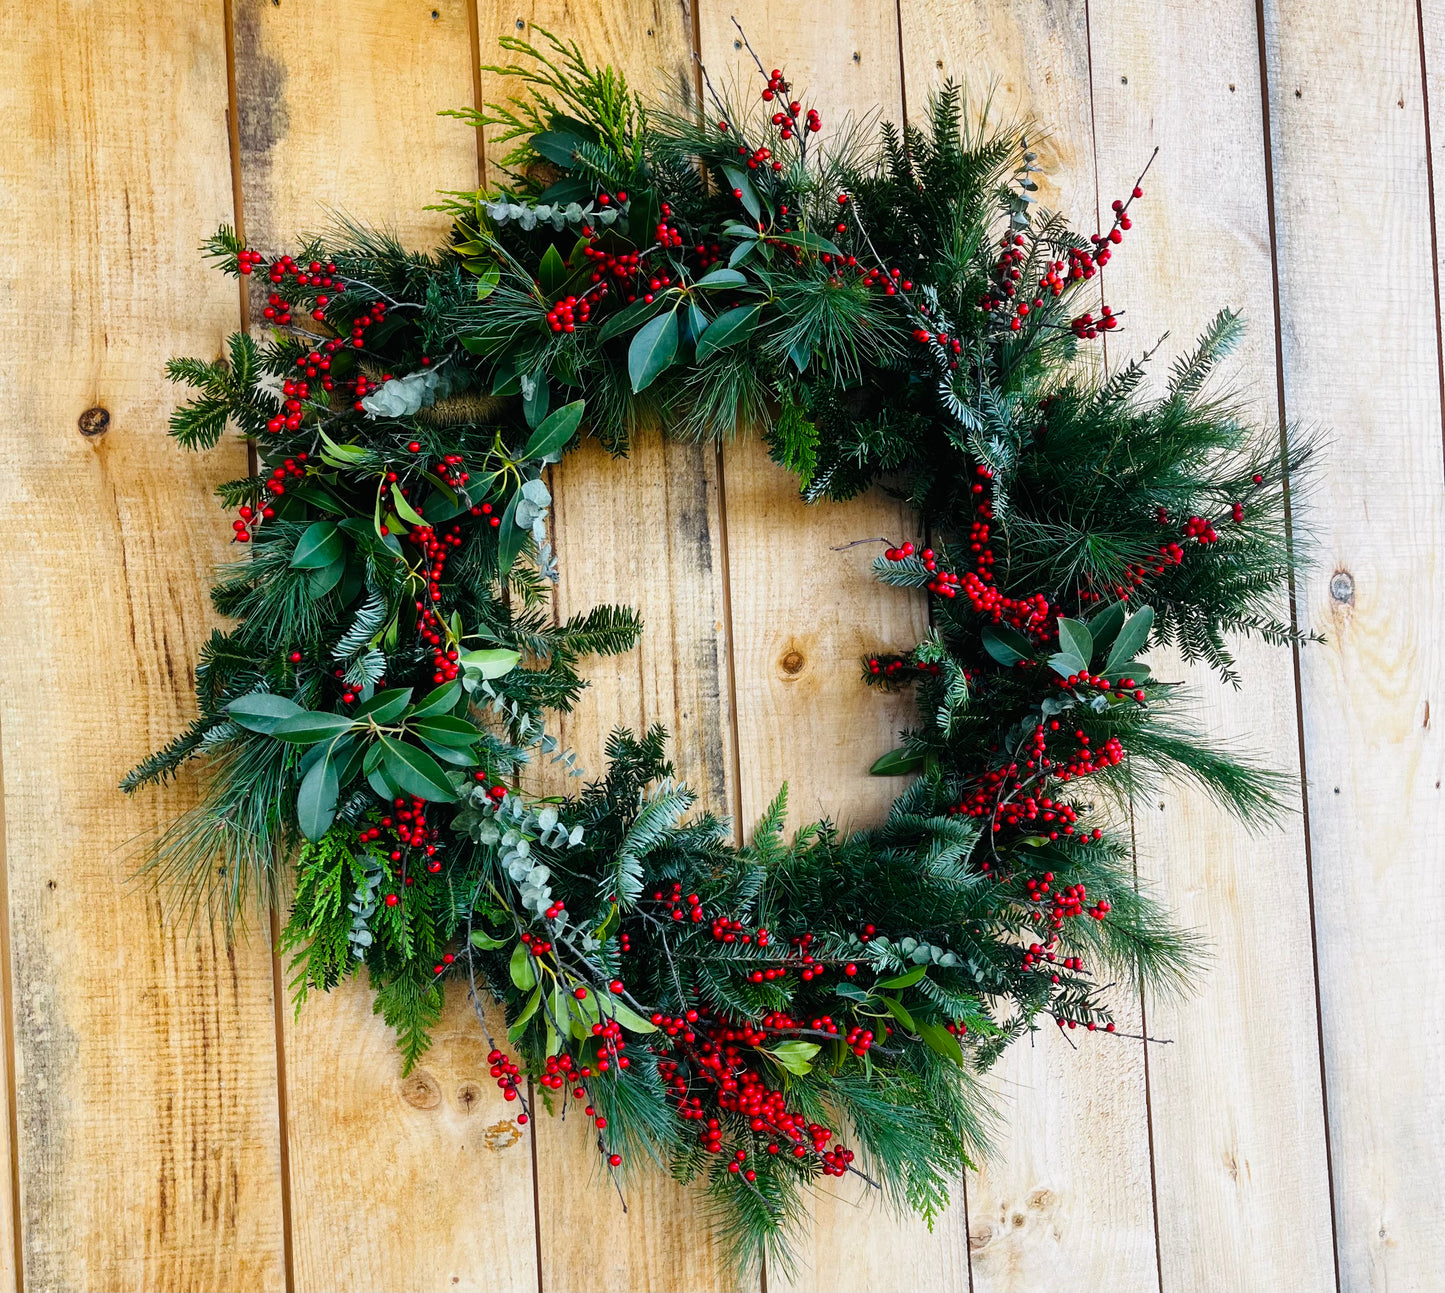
(1342, 587)
(421, 1091)
(1041, 1199)
(468, 1095)
(501, 1135)
(94, 422)
(792, 661)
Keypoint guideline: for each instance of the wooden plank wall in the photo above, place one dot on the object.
(171, 1125)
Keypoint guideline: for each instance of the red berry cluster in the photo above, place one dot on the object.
(246, 261)
(732, 931)
(1198, 527)
(449, 469)
(1086, 327)
(675, 902)
(436, 548)
(506, 1074)
(404, 828)
(568, 313)
(787, 120)
(248, 521)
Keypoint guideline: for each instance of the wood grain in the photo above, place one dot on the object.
(643, 531)
(1347, 115)
(803, 614)
(423, 1182)
(1238, 1114)
(1066, 1199)
(148, 1135)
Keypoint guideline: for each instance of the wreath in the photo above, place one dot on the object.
(897, 311)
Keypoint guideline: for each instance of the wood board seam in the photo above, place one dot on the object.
(1133, 838)
(273, 921)
(1272, 220)
(7, 1010)
(1430, 195)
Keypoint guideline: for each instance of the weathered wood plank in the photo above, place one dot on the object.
(1360, 357)
(1066, 1200)
(423, 1182)
(803, 615)
(1237, 1111)
(145, 1059)
(643, 531)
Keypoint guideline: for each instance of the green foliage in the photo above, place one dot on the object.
(394, 659)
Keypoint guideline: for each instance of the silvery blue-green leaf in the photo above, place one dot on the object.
(403, 396)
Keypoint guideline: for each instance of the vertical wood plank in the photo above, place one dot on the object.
(643, 531)
(1360, 357)
(803, 614)
(144, 1050)
(423, 1182)
(1066, 1201)
(1236, 1102)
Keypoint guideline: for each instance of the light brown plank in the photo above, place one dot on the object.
(803, 614)
(1238, 1116)
(642, 531)
(145, 1064)
(1360, 358)
(1065, 1201)
(423, 1182)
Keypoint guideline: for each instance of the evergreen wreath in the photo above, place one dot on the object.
(896, 310)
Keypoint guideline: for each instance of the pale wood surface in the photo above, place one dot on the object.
(644, 531)
(374, 1156)
(1348, 122)
(1066, 1201)
(804, 613)
(148, 1081)
(144, 1059)
(1238, 1128)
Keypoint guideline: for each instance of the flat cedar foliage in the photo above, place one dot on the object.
(895, 311)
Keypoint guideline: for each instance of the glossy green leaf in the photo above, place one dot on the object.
(404, 509)
(904, 980)
(794, 1056)
(320, 582)
(632, 316)
(261, 711)
(722, 278)
(556, 146)
(316, 797)
(900, 1012)
(385, 705)
(523, 972)
(1066, 664)
(1104, 625)
(493, 662)
(1006, 645)
(743, 189)
(940, 1041)
(416, 772)
(510, 538)
(1075, 639)
(486, 942)
(552, 272)
(1133, 637)
(307, 727)
(897, 763)
(487, 281)
(518, 1026)
(446, 730)
(556, 430)
(729, 328)
(318, 547)
(440, 701)
(652, 350)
